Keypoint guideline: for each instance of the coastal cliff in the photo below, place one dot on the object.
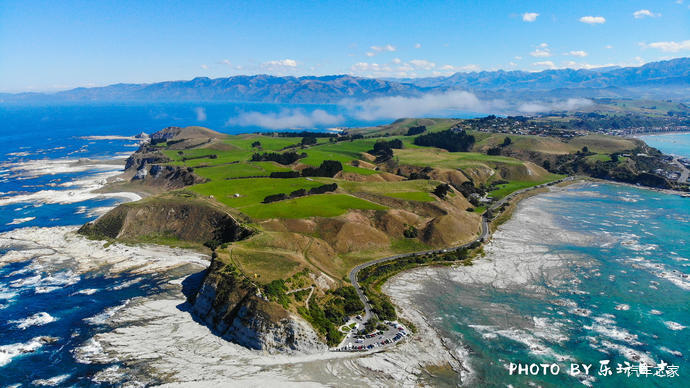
(233, 307)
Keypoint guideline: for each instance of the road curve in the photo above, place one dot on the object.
(483, 236)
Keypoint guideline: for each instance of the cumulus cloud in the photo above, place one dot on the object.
(578, 53)
(593, 19)
(541, 52)
(422, 64)
(670, 46)
(377, 49)
(529, 17)
(418, 45)
(396, 60)
(397, 107)
(200, 113)
(286, 119)
(569, 104)
(281, 63)
(205, 67)
(226, 62)
(644, 13)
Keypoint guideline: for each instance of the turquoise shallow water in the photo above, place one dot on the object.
(602, 275)
(676, 143)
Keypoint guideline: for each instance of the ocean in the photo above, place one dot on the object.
(583, 274)
(51, 158)
(603, 273)
(672, 143)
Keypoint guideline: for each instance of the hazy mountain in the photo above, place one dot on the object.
(665, 79)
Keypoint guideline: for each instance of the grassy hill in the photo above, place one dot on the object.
(309, 224)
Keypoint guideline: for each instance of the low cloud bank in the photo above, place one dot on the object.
(428, 104)
(286, 119)
(569, 104)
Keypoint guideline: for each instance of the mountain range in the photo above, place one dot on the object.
(657, 80)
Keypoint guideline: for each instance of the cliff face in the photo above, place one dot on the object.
(234, 309)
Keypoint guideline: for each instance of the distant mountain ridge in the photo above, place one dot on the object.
(664, 79)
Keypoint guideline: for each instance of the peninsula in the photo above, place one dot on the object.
(304, 228)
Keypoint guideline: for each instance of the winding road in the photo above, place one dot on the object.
(483, 236)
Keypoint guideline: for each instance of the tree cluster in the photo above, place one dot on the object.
(416, 130)
(308, 140)
(441, 190)
(328, 168)
(301, 193)
(383, 150)
(284, 158)
(453, 141)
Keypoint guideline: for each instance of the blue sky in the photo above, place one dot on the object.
(53, 45)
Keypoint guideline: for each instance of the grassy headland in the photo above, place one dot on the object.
(318, 204)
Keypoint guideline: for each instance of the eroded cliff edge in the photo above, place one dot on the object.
(226, 301)
(234, 308)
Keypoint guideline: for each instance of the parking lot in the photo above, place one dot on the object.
(377, 339)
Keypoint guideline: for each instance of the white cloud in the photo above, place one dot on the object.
(281, 63)
(548, 64)
(418, 45)
(226, 62)
(569, 104)
(670, 46)
(370, 54)
(361, 67)
(423, 64)
(576, 65)
(396, 60)
(518, 58)
(466, 68)
(397, 107)
(593, 19)
(645, 13)
(529, 17)
(541, 53)
(405, 67)
(388, 47)
(578, 53)
(287, 119)
(608, 46)
(204, 67)
(200, 113)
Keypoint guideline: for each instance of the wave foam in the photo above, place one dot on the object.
(9, 352)
(38, 319)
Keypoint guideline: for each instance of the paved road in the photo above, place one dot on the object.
(684, 171)
(483, 236)
(353, 273)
